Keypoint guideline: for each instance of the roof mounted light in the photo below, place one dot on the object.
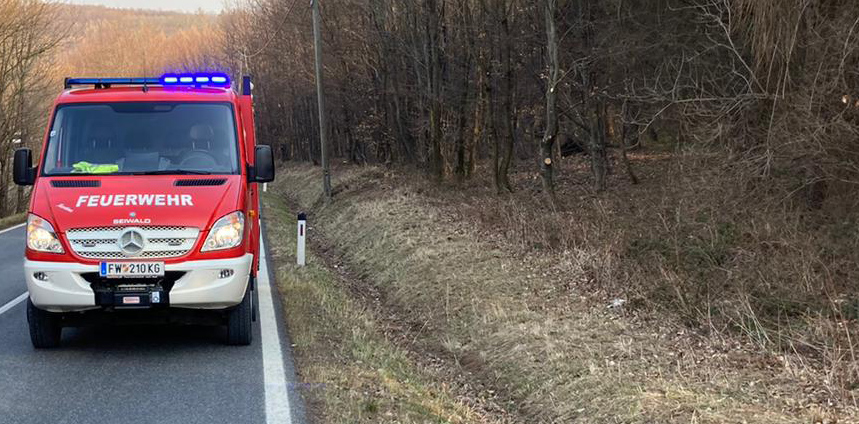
(220, 80)
(167, 80)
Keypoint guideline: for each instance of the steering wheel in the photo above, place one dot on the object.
(199, 160)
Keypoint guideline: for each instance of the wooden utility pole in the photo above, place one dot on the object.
(323, 121)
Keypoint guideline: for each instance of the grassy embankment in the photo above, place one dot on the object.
(12, 220)
(529, 320)
(350, 370)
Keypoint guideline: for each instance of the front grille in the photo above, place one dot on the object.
(120, 229)
(170, 241)
(101, 255)
(161, 242)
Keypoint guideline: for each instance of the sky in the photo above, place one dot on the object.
(213, 6)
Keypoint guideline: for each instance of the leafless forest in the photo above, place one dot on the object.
(25, 40)
(448, 85)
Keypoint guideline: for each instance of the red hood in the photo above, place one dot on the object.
(136, 201)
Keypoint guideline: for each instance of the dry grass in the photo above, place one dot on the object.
(350, 372)
(518, 296)
(12, 220)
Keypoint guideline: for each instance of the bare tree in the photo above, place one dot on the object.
(554, 74)
(28, 34)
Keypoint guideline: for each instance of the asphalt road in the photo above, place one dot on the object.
(146, 374)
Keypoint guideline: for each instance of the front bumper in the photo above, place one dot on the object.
(200, 287)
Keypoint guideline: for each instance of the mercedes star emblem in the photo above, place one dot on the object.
(131, 242)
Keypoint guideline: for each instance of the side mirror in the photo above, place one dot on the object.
(263, 165)
(23, 171)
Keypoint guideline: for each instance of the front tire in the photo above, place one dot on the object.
(239, 322)
(45, 327)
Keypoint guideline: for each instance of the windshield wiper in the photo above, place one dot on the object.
(173, 172)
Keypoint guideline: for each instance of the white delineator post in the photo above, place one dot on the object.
(302, 237)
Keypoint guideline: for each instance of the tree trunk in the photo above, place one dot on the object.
(404, 137)
(479, 132)
(508, 112)
(462, 113)
(21, 203)
(626, 131)
(595, 113)
(461, 147)
(547, 161)
(4, 187)
(434, 47)
(599, 153)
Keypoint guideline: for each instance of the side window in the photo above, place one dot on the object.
(55, 144)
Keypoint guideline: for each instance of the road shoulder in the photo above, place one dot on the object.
(349, 369)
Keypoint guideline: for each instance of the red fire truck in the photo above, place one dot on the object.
(145, 206)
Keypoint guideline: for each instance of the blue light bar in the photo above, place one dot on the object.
(168, 80)
(220, 80)
(111, 81)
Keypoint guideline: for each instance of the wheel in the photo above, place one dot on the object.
(45, 327)
(239, 327)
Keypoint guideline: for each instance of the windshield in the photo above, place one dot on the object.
(142, 138)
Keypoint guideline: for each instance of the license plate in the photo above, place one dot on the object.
(132, 269)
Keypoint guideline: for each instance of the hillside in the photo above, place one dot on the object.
(572, 316)
(107, 42)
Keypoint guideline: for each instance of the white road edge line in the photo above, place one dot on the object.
(277, 408)
(12, 228)
(14, 302)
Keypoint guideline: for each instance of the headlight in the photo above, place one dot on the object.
(226, 233)
(41, 236)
